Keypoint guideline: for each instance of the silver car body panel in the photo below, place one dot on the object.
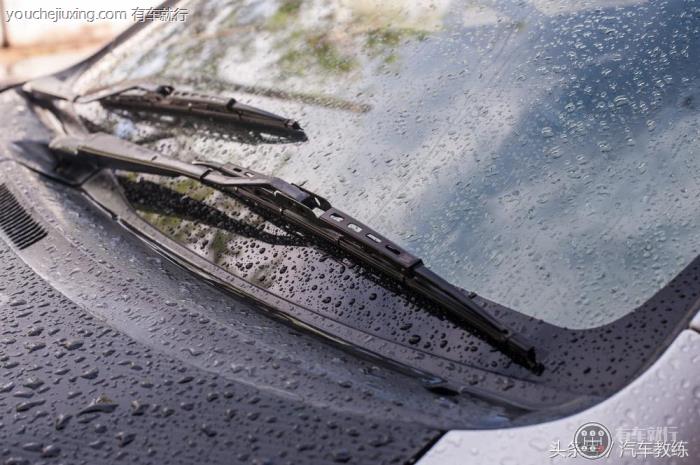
(667, 395)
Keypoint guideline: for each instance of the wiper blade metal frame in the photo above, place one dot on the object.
(165, 98)
(312, 214)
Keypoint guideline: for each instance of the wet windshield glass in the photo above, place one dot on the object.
(543, 154)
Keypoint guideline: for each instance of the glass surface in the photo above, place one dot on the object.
(543, 154)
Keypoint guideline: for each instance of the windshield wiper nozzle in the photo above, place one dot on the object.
(314, 215)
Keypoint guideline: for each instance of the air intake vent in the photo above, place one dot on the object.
(19, 226)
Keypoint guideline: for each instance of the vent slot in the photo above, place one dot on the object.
(16, 222)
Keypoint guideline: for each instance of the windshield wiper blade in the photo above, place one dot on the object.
(164, 98)
(312, 214)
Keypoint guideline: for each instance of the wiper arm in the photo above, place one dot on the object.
(163, 98)
(312, 214)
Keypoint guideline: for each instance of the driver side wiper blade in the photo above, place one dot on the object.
(312, 214)
(164, 98)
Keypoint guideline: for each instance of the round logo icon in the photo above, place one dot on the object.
(593, 441)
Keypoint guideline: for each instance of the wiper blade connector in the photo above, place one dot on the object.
(165, 98)
(312, 214)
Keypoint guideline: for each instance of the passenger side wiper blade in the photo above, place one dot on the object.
(314, 215)
(163, 98)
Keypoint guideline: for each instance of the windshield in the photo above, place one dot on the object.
(543, 154)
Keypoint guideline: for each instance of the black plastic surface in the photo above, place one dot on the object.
(74, 390)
